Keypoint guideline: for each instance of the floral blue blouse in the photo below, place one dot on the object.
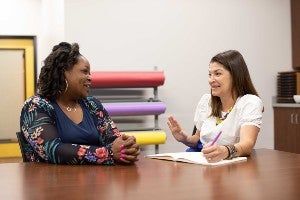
(39, 127)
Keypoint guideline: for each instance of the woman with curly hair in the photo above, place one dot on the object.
(61, 124)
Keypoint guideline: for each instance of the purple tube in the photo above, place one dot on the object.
(135, 108)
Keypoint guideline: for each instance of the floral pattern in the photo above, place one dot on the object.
(37, 123)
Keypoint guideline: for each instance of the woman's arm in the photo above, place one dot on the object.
(251, 112)
(38, 126)
(180, 135)
(248, 136)
(109, 132)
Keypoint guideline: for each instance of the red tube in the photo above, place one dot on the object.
(111, 79)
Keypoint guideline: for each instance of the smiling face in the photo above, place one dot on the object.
(79, 79)
(220, 80)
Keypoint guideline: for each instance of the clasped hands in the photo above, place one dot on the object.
(125, 149)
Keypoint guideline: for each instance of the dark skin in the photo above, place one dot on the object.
(131, 149)
(125, 149)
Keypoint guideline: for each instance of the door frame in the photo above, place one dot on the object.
(28, 44)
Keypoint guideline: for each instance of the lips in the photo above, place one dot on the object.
(87, 87)
(214, 87)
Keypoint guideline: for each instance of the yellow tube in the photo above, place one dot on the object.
(148, 137)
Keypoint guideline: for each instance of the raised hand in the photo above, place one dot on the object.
(176, 129)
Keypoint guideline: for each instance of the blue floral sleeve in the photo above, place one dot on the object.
(37, 123)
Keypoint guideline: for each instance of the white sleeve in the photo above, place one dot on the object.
(251, 110)
(202, 110)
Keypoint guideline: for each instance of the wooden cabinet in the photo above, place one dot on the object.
(287, 129)
(295, 18)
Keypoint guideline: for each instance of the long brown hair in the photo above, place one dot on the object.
(234, 62)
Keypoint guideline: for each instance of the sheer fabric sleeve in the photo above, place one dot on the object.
(37, 123)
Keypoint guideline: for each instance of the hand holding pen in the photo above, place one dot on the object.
(213, 153)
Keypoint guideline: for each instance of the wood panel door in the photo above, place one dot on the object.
(295, 18)
(287, 129)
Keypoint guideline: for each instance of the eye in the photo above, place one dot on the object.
(218, 74)
(86, 71)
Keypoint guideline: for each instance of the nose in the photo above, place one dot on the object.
(89, 77)
(211, 78)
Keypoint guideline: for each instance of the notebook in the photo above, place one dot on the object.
(192, 157)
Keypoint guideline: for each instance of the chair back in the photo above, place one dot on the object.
(199, 144)
(23, 145)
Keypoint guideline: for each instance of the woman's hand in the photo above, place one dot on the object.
(125, 149)
(176, 130)
(214, 153)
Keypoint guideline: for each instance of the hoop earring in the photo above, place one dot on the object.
(67, 85)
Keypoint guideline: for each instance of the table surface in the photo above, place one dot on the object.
(267, 174)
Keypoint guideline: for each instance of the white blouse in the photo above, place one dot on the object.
(246, 111)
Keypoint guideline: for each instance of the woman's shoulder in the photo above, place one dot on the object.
(93, 103)
(38, 101)
(205, 98)
(204, 102)
(250, 99)
(91, 100)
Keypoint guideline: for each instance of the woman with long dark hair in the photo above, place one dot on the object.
(233, 109)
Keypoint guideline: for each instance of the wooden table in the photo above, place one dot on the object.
(267, 174)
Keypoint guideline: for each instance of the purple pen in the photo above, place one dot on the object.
(216, 138)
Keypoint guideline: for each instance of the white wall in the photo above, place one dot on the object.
(41, 18)
(178, 36)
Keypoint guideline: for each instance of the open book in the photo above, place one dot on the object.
(192, 157)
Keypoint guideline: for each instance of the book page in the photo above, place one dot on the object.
(192, 157)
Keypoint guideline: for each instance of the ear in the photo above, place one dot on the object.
(67, 73)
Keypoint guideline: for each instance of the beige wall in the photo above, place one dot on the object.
(12, 87)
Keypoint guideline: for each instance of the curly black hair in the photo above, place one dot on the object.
(51, 82)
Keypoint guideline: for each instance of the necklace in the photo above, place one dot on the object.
(220, 119)
(69, 109)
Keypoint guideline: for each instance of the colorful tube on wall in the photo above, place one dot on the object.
(148, 137)
(107, 79)
(135, 108)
